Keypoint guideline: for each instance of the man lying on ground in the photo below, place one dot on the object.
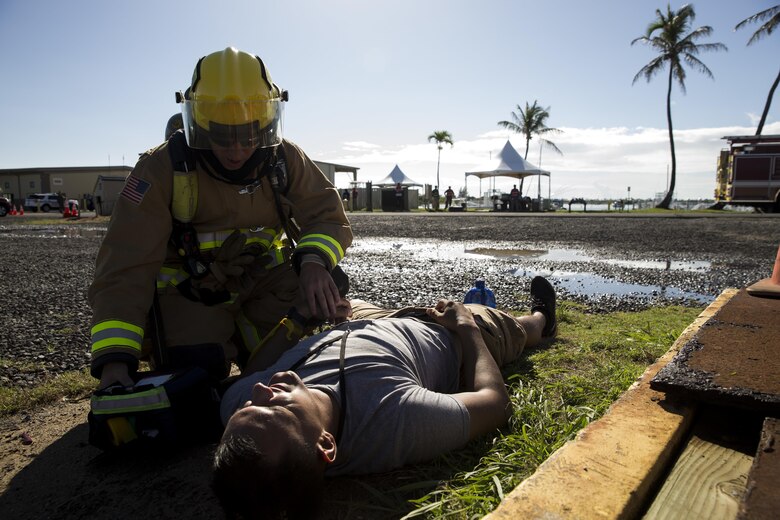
(385, 389)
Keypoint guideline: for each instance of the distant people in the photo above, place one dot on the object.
(480, 294)
(448, 195)
(354, 198)
(73, 208)
(435, 198)
(399, 197)
(345, 198)
(514, 199)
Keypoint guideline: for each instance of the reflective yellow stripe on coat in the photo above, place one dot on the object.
(324, 244)
(261, 236)
(171, 276)
(116, 333)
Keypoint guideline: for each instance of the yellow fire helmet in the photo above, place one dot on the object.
(232, 101)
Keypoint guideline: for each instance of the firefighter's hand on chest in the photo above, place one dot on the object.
(319, 290)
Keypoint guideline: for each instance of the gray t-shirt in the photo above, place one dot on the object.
(398, 374)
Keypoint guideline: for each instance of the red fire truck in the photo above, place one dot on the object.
(749, 172)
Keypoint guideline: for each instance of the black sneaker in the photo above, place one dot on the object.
(543, 300)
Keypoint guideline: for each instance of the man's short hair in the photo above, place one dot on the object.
(249, 487)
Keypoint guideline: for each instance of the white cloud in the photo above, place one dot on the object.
(357, 146)
(596, 162)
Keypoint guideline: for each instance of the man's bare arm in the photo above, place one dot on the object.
(484, 393)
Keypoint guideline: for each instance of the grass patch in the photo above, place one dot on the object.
(69, 384)
(22, 366)
(555, 390)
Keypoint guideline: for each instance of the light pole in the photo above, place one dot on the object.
(438, 160)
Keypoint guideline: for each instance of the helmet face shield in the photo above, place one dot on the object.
(248, 124)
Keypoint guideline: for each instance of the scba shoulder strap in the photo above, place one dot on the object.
(182, 156)
(184, 204)
(277, 175)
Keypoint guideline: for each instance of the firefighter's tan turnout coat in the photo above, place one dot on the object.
(136, 256)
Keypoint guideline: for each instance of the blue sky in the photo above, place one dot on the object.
(92, 81)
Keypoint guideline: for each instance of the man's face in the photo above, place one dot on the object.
(279, 416)
(232, 156)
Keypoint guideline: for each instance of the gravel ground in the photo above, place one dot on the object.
(606, 262)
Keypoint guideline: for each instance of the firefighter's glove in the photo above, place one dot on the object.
(259, 266)
(229, 262)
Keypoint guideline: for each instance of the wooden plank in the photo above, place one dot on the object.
(610, 468)
(709, 478)
(762, 501)
(733, 360)
(707, 483)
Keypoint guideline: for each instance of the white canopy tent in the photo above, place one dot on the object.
(507, 163)
(396, 176)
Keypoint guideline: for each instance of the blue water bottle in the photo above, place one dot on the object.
(480, 294)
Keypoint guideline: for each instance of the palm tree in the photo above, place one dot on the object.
(771, 17)
(667, 35)
(441, 137)
(531, 121)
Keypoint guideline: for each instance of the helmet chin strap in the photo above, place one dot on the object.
(239, 176)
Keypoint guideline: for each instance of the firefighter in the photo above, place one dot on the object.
(202, 233)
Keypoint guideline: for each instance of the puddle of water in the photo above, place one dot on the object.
(553, 255)
(582, 283)
(421, 249)
(571, 255)
(53, 232)
(428, 249)
(593, 285)
(668, 265)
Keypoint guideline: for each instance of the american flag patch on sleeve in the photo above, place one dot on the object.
(135, 189)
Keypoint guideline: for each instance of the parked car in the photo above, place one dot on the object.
(43, 201)
(5, 207)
